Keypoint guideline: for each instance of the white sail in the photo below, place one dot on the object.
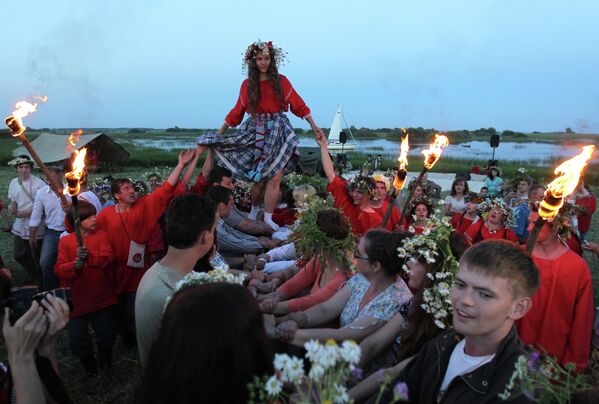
(336, 126)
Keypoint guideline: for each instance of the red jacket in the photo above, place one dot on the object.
(360, 220)
(137, 224)
(269, 102)
(91, 289)
(584, 219)
(561, 318)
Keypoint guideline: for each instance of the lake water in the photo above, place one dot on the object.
(539, 153)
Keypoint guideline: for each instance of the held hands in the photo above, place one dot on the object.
(268, 306)
(12, 208)
(318, 131)
(286, 331)
(320, 139)
(82, 256)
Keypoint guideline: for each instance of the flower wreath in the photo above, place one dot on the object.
(420, 199)
(433, 244)
(217, 275)
(563, 220)
(380, 177)
(21, 160)
(484, 207)
(427, 189)
(242, 188)
(312, 242)
(366, 185)
(261, 47)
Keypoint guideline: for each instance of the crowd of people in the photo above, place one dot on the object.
(443, 300)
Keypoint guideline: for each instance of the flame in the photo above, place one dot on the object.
(73, 140)
(22, 109)
(400, 178)
(434, 151)
(565, 184)
(42, 98)
(73, 177)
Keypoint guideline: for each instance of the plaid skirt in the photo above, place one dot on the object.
(263, 145)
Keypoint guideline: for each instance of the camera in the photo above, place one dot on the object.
(19, 299)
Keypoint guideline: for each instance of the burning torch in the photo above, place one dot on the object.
(431, 156)
(17, 129)
(74, 186)
(568, 175)
(400, 176)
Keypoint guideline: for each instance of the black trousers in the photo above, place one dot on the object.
(102, 322)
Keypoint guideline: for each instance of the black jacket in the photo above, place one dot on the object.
(425, 373)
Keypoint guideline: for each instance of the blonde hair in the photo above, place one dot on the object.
(302, 192)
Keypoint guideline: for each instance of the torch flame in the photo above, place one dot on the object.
(400, 177)
(73, 140)
(565, 184)
(434, 151)
(73, 177)
(22, 109)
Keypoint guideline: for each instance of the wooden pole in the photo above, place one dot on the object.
(411, 194)
(534, 234)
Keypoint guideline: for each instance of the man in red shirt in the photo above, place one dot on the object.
(129, 225)
(561, 318)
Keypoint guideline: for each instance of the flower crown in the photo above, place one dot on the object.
(217, 275)
(380, 177)
(563, 220)
(433, 244)
(488, 204)
(242, 188)
(21, 160)
(310, 241)
(420, 199)
(366, 185)
(264, 48)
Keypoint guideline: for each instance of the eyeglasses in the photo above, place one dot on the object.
(359, 257)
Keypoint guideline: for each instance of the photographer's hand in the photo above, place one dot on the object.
(21, 340)
(57, 313)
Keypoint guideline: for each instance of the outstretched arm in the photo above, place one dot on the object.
(192, 165)
(184, 158)
(327, 162)
(317, 131)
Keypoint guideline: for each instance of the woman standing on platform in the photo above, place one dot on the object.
(264, 147)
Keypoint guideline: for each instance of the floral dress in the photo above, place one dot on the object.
(382, 307)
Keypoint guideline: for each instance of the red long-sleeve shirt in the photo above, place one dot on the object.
(478, 232)
(461, 223)
(91, 289)
(310, 275)
(561, 318)
(200, 186)
(394, 217)
(269, 103)
(361, 221)
(584, 219)
(137, 224)
(284, 216)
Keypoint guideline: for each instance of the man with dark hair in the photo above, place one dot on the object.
(190, 223)
(521, 213)
(230, 240)
(155, 181)
(129, 225)
(474, 361)
(223, 177)
(49, 212)
(21, 195)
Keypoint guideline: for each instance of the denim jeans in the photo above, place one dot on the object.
(48, 257)
(102, 322)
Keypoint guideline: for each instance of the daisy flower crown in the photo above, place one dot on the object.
(21, 160)
(217, 275)
(264, 48)
(380, 177)
(484, 207)
(433, 245)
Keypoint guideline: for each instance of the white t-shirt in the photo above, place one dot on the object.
(24, 196)
(461, 363)
(457, 205)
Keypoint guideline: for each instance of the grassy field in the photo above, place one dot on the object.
(117, 387)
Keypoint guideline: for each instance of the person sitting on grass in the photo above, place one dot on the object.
(325, 242)
(210, 345)
(364, 304)
(354, 199)
(474, 361)
(497, 225)
(494, 182)
(431, 268)
(294, 198)
(87, 272)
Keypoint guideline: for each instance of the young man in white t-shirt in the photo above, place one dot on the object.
(474, 361)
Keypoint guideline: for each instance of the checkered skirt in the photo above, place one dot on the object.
(237, 152)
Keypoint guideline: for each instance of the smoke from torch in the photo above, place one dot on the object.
(568, 176)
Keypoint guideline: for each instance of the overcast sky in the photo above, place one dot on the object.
(511, 64)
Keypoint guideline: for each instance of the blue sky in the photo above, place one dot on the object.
(511, 64)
